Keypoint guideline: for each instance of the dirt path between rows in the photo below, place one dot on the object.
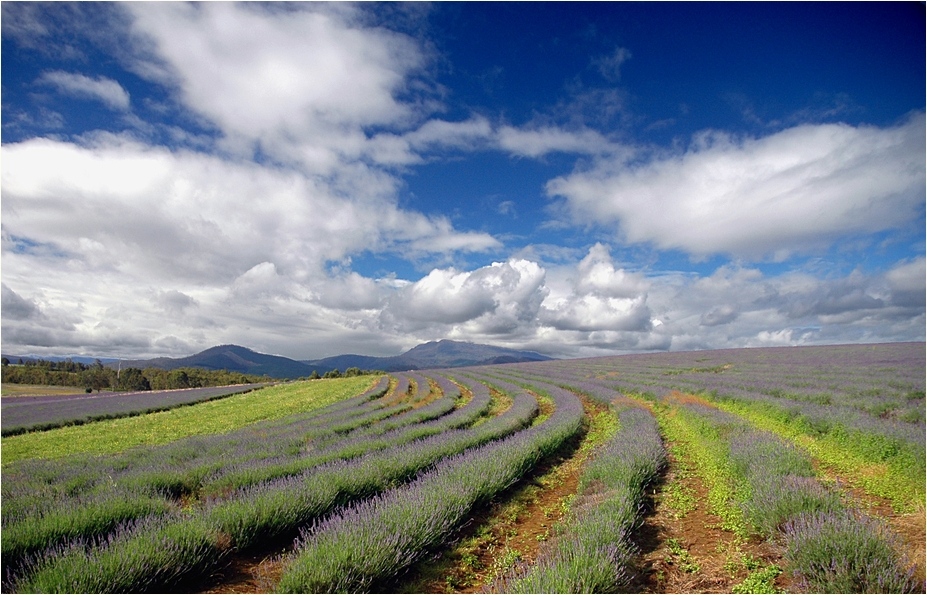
(513, 530)
(686, 551)
(683, 549)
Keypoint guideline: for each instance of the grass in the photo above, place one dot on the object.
(702, 444)
(106, 437)
(681, 556)
(760, 580)
(37, 390)
(899, 477)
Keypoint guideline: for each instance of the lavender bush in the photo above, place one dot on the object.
(596, 554)
(847, 552)
(373, 540)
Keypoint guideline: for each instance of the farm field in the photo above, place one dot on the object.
(46, 410)
(795, 469)
(36, 390)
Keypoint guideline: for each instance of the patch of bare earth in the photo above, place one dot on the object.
(256, 572)
(513, 529)
(686, 551)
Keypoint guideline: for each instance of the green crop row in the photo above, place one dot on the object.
(213, 417)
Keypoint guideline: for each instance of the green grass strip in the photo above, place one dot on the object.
(224, 415)
(702, 443)
(897, 475)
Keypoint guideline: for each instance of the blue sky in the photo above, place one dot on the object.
(577, 179)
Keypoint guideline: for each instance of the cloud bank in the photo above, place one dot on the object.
(301, 123)
(799, 189)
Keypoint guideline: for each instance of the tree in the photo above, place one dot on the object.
(314, 375)
(133, 379)
(95, 377)
(178, 379)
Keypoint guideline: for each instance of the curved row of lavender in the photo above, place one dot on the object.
(371, 541)
(145, 481)
(872, 388)
(596, 552)
(25, 414)
(781, 498)
(866, 397)
(46, 501)
(184, 542)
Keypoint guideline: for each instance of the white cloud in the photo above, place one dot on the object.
(799, 189)
(100, 88)
(597, 276)
(610, 65)
(213, 241)
(539, 141)
(301, 85)
(599, 298)
(112, 247)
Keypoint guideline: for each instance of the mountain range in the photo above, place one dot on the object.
(435, 354)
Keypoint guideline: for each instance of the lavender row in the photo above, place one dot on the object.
(828, 546)
(373, 540)
(49, 501)
(874, 393)
(172, 469)
(25, 414)
(249, 516)
(877, 379)
(436, 417)
(596, 552)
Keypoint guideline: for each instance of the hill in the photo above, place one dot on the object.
(435, 354)
(230, 357)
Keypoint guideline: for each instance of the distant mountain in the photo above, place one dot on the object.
(435, 354)
(230, 357)
(80, 359)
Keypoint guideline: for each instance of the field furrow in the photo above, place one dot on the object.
(727, 471)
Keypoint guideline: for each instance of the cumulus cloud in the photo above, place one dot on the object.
(197, 236)
(600, 298)
(15, 307)
(102, 89)
(494, 299)
(596, 275)
(300, 85)
(307, 114)
(193, 216)
(798, 189)
(741, 307)
(174, 302)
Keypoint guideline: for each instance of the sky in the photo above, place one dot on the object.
(575, 179)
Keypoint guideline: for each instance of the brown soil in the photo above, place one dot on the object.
(514, 529)
(681, 551)
(690, 553)
(248, 573)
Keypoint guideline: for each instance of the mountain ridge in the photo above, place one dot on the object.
(445, 353)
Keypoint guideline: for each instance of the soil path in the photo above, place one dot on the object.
(686, 551)
(511, 531)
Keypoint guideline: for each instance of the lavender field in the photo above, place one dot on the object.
(22, 414)
(754, 470)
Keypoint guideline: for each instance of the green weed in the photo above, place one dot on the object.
(213, 417)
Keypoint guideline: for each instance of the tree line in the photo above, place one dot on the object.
(97, 377)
